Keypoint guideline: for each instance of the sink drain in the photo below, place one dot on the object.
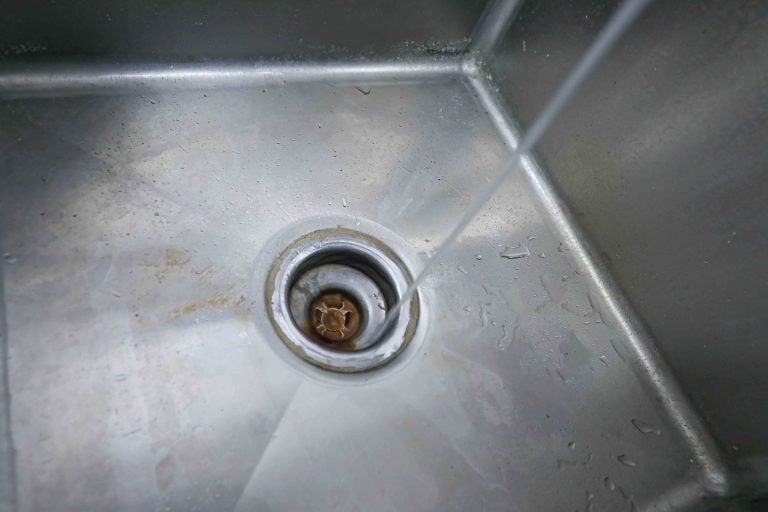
(328, 294)
(334, 317)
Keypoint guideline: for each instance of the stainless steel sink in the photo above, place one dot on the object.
(155, 161)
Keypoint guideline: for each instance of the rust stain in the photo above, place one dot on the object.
(172, 258)
(335, 317)
(208, 269)
(175, 258)
(345, 345)
(218, 301)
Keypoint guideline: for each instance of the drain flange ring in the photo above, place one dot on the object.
(338, 265)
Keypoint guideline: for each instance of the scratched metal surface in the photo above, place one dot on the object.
(141, 372)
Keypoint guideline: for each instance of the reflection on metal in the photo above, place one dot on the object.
(496, 18)
(328, 294)
(53, 80)
(714, 472)
(663, 161)
(647, 359)
(529, 373)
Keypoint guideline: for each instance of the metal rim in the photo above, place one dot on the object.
(361, 252)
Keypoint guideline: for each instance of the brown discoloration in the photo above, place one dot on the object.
(208, 269)
(335, 317)
(218, 301)
(175, 258)
(345, 345)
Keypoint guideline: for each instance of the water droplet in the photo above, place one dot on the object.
(572, 445)
(646, 428)
(344, 203)
(616, 349)
(609, 484)
(626, 497)
(483, 315)
(514, 253)
(478, 257)
(462, 270)
(626, 460)
(564, 278)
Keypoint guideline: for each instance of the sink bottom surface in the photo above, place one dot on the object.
(142, 373)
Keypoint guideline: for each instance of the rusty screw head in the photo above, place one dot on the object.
(334, 317)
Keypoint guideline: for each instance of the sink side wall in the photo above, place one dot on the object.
(662, 157)
(234, 29)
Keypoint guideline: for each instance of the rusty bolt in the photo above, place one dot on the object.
(334, 317)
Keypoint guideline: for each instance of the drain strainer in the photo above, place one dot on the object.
(328, 295)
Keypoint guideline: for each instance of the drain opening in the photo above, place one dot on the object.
(340, 304)
(329, 293)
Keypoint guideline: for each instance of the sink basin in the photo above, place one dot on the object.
(154, 166)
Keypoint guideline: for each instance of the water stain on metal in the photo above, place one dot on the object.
(165, 472)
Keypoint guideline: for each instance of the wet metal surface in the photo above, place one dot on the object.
(141, 368)
(663, 160)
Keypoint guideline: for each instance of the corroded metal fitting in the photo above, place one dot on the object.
(335, 317)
